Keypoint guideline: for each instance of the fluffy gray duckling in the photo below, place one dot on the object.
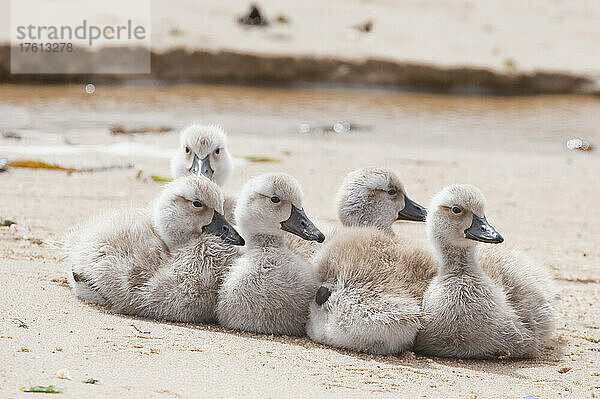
(133, 261)
(504, 310)
(203, 151)
(268, 289)
(371, 281)
(375, 197)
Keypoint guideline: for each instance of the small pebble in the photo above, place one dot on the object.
(365, 27)
(282, 19)
(578, 144)
(63, 374)
(304, 128)
(341, 127)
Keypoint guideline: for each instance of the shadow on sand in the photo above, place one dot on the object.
(407, 360)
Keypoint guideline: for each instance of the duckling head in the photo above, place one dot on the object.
(271, 204)
(189, 207)
(456, 218)
(202, 150)
(375, 197)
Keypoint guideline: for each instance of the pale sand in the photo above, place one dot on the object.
(541, 197)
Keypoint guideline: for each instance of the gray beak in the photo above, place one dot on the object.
(299, 224)
(202, 166)
(481, 230)
(219, 226)
(412, 211)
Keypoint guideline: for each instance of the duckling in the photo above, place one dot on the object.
(129, 260)
(372, 282)
(185, 288)
(504, 310)
(366, 302)
(373, 197)
(376, 197)
(203, 151)
(268, 289)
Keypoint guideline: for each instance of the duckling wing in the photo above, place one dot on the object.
(371, 307)
(267, 291)
(528, 289)
(112, 254)
(185, 288)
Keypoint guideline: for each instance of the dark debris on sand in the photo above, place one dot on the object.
(253, 18)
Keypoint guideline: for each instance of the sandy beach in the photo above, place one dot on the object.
(542, 197)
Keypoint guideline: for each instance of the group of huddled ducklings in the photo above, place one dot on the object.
(364, 289)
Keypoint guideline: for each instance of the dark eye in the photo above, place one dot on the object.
(275, 200)
(456, 210)
(197, 204)
(218, 151)
(392, 192)
(187, 150)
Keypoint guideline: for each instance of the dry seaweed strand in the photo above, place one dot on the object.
(42, 389)
(38, 165)
(256, 158)
(21, 323)
(119, 129)
(43, 165)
